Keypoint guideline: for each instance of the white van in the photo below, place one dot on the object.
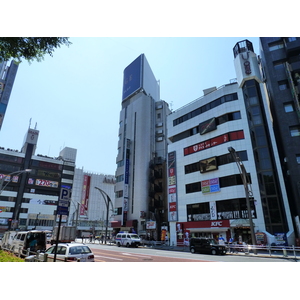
(20, 241)
(128, 239)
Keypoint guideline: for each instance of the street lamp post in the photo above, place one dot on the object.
(248, 191)
(107, 201)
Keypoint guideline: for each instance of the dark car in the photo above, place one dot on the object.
(209, 246)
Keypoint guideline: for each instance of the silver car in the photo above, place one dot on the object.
(71, 252)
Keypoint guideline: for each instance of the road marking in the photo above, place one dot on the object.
(138, 255)
(108, 257)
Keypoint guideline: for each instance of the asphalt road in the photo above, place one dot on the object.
(108, 253)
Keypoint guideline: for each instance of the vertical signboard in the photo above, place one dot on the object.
(63, 202)
(172, 187)
(85, 196)
(126, 182)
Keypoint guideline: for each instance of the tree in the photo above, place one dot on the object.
(29, 48)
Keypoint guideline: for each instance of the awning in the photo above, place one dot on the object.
(240, 223)
(115, 224)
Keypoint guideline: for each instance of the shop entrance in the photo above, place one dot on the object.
(242, 235)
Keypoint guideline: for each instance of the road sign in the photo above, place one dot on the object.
(65, 194)
(63, 202)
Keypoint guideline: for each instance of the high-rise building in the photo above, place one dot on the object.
(140, 201)
(206, 192)
(280, 58)
(7, 78)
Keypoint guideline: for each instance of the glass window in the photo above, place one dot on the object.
(288, 107)
(276, 45)
(295, 131)
(278, 65)
(298, 158)
(292, 39)
(283, 85)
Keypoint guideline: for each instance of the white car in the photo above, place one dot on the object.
(70, 252)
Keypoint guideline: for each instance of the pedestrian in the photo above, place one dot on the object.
(166, 239)
(230, 245)
(221, 240)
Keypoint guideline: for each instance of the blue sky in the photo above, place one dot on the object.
(74, 97)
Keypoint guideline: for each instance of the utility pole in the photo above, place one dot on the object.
(248, 191)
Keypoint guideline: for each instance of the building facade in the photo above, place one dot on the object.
(140, 201)
(206, 194)
(31, 184)
(7, 78)
(280, 59)
(88, 209)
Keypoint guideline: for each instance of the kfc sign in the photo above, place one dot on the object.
(216, 224)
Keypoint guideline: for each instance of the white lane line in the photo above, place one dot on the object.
(108, 257)
(138, 255)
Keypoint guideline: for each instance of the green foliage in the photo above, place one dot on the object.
(8, 257)
(29, 48)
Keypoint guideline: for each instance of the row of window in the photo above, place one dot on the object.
(218, 120)
(223, 182)
(204, 108)
(220, 160)
(226, 209)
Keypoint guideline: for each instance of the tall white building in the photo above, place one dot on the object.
(88, 209)
(206, 193)
(142, 148)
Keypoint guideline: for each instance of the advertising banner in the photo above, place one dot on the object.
(132, 80)
(85, 196)
(172, 194)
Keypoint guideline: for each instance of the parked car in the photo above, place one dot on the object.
(70, 251)
(209, 246)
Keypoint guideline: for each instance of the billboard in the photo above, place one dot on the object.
(85, 196)
(207, 165)
(133, 77)
(172, 187)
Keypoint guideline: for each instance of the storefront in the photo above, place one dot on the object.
(206, 229)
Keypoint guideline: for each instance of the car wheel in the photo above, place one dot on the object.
(193, 250)
(119, 245)
(127, 245)
(213, 251)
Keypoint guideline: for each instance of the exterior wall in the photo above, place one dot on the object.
(283, 88)
(94, 218)
(7, 78)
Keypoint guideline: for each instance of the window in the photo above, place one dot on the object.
(295, 131)
(292, 39)
(278, 64)
(298, 158)
(288, 107)
(283, 85)
(276, 45)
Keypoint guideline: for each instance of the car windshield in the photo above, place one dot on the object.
(79, 250)
(134, 236)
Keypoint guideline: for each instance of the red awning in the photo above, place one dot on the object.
(131, 223)
(115, 224)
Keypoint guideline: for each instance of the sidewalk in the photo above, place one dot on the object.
(157, 245)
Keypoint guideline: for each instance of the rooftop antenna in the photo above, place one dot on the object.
(35, 125)
(29, 122)
(171, 105)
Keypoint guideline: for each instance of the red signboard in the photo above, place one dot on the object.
(85, 195)
(224, 138)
